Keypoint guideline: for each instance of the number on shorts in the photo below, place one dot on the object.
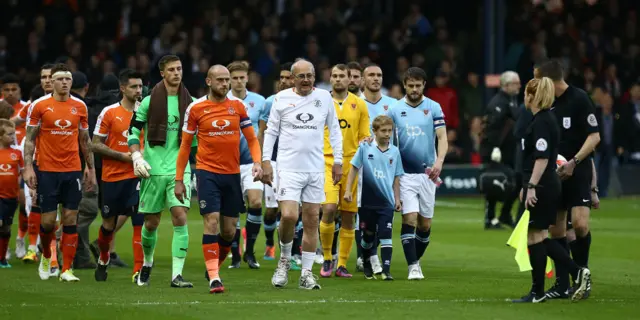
(138, 186)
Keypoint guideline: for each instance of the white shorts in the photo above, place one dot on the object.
(246, 179)
(270, 199)
(301, 186)
(418, 194)
(27, 199)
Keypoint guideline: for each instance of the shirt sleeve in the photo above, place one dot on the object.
(541, 137)
(103, 123)
(84, 118)
(138, 121)
(335, 135)
(356, 161)
(245, 121)
(20, 161)
(264, 113)
(272, 132)
(365, 122)
(398, 163)
(23, 112)
(190, 124)
(34, 115)
(438, 117)
(588, 115)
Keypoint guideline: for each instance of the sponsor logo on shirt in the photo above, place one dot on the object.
(63, 124)
(304, 118)
(221, 125)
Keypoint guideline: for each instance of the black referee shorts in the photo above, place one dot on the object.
(545, 211)
(576, 191)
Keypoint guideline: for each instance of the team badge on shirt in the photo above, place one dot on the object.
(353, 106)
(541, 144)
(591, 119)
(566, 122)
(317, 103)
(385, 108)
(426, 112)
(13, 157)
(231, 111)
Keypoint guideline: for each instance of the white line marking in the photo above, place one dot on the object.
(276, 302)
(450, 204)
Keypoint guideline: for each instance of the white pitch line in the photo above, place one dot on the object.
(276, 302)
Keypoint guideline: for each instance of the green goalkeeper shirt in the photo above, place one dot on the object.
(162, 159)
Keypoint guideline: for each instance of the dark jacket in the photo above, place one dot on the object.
(500, 117)
(626, 128)
(96, 105)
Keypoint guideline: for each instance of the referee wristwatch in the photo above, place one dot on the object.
(576, 160)
(531, 186)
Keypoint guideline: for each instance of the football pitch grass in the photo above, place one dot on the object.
(469, 274)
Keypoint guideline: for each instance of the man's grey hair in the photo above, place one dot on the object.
(507, 77)
(300, 60)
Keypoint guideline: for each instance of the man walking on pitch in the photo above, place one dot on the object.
(217, 120)
(297, 119)
(119, 186)
(160, 115)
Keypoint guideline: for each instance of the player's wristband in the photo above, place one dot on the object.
(531, 186)
(576, 160)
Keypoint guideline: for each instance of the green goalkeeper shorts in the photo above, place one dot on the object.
(156, 193)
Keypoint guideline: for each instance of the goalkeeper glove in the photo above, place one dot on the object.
(140, 167)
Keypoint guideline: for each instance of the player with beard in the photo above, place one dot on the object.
(355, 78)
(217, 120)
(354, 124)
(298, 118)
(419, 121)
(160, 116)
(377, 104)
(270, 199)
(119, 184)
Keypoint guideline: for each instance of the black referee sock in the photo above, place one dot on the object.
(254, 221)
(235, 247)
(297, 239)
(561, 257)
(358, 240)
(562, 274)
(336, 235)
(408, 238)
(422, 242)
(538, 259)
(269, 230)
(580, 250)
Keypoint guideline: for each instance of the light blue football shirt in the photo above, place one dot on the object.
(264, 116)
(381, 107)
(254, 104)
(415, 132)
(378, 170)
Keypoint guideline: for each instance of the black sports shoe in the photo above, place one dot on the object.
(530, 298)
(143, 278)
(555, 292)
(367, 270)
(386, 276)
(179, 282)
(101, 272)
(94, 249)
(250, 259)
(582, 286)
(216, 287)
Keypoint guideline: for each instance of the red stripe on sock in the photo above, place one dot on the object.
(104, 242)
(4, 246)
(138, 254)
(224, 252)
(69, 247)
(34, 227)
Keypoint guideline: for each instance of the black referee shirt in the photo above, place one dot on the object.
(575, 113)
(541, 142)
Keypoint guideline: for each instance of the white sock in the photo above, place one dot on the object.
(307, 260)
(33, 248)
(149, 264)
(285, 250)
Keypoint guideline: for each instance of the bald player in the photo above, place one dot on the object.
(217, 120)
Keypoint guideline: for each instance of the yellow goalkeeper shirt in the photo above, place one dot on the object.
(353, 115)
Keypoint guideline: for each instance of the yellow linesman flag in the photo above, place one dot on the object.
(518, 241)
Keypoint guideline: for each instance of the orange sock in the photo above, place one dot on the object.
(138, 254)
(54, 252)
(34, 226)
(211, 255)
(23, 223)
(69, 246)
(104, 242)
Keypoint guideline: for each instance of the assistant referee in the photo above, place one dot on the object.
(542, 193)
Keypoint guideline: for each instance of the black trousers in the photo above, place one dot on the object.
(507, 205)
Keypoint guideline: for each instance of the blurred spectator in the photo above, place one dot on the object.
(447, 97)
(610, 135)
(471, 104)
